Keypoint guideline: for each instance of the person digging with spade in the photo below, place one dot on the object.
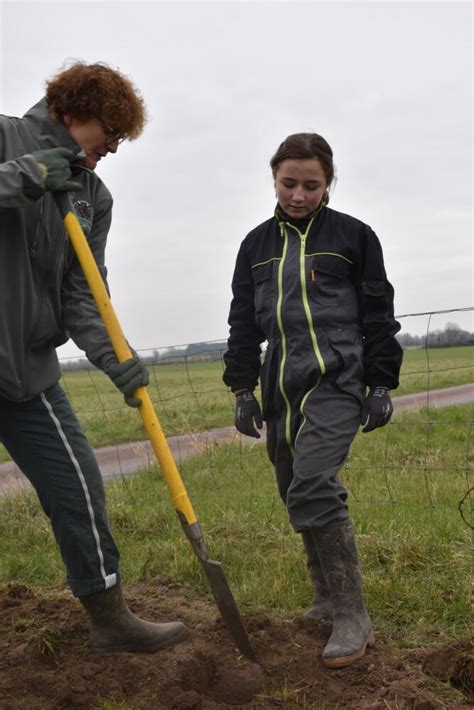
(88, 110)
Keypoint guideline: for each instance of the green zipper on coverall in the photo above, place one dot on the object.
(309, 318)
(284, 234)
(310, 321)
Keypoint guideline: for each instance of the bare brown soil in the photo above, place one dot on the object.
(45, 662)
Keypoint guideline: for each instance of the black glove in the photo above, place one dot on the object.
(55, 167)
(247, 410)
(377, 409)
(127, 376)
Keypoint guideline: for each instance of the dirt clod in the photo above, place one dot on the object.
(454, 664)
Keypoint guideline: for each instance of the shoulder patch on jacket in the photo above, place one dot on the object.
(85, 214)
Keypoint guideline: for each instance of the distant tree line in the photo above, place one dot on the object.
(196, 352)
(452, 335)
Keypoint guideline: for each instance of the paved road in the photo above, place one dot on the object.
(124, 459)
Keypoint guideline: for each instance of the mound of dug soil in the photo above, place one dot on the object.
(45, 662)
(454, 664)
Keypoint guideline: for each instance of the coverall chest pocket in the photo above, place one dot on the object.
(328, 281)
(263, 283)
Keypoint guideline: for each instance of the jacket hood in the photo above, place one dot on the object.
(49, 133)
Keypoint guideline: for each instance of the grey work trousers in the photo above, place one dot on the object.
(307, 472)
(45, 439)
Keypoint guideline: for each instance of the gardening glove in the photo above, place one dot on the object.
(247, 411)
(377, 409)
(127, 376)
(55, 168)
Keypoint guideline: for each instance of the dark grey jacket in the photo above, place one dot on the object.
(320, 296)
(44, 297)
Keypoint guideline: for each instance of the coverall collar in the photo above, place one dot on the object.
(300, 224)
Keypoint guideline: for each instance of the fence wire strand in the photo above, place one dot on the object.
(195, 408)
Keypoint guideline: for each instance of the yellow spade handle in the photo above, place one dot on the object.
(152, 426)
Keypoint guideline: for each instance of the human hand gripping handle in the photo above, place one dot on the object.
(377, 409)
(55, 168)
(128, 376)
(248, 414)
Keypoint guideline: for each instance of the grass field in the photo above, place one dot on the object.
(192, 397)
(436, 368)
(405, 488)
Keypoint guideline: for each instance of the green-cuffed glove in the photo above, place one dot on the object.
(55, 168)
(127, 377)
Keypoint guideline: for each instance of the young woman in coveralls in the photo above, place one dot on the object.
(311, 282)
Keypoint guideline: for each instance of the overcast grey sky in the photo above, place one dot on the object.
(388, 84)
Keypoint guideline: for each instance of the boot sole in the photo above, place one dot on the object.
(143, 647)
(343, 661)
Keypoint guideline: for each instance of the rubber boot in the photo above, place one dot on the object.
(113, 627)
(352, 629)
(321, 608)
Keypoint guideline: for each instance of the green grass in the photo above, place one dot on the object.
(107, 704)
(405, 487)
(436, 368)
(192, 397)
(187, 398)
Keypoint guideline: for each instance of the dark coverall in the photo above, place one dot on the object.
(44, 300)
(317, 291)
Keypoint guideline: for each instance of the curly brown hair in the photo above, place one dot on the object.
(86, 91)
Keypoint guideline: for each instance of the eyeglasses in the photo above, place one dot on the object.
(111, 136)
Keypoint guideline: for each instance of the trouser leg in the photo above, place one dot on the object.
(320, 494)
(45, 440)
(307, 472)
(280, 454)
(315, 497)
(316, 501)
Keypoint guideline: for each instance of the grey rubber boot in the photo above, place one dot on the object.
(321, 607)
(352, 629)
(113, 627)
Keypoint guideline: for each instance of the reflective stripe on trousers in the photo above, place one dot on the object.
(44, 438)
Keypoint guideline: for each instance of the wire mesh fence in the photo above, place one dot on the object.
(421, 459)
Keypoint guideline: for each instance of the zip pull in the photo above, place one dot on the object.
(313, 275)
